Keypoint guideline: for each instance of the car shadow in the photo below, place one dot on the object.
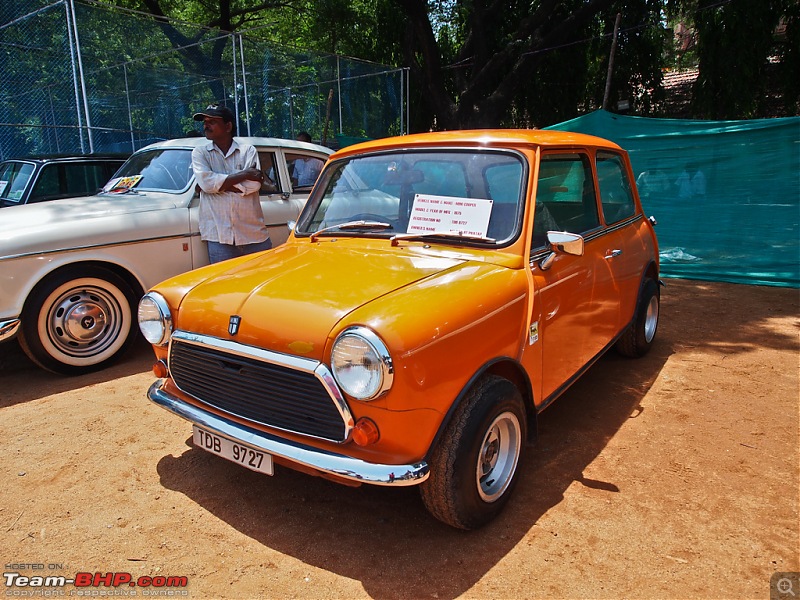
(21, 380)
(384, 537)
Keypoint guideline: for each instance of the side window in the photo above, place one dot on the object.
(47, 186)
(84, 179)
(303, 170)
(272, 180)
(615, 188)
(565, 197)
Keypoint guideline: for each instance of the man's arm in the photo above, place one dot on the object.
(250, 179)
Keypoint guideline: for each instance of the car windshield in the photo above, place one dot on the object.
(160, 169)
(14, 178)
(469, 196)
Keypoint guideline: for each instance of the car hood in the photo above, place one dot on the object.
(290, 299)
(63, 223)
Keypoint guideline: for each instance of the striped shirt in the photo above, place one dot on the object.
(228, 217)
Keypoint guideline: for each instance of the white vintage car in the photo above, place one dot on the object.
(72, 271)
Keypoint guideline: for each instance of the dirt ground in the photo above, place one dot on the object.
(672, 476)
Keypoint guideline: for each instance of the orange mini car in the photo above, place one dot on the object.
(437, 293)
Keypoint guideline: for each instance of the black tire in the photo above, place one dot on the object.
(473, 468)
(78, 321)
(638, 338)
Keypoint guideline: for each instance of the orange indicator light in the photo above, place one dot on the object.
(365, 432)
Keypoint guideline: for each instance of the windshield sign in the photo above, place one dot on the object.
(467, 195)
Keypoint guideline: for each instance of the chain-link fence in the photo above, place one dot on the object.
(85, 78)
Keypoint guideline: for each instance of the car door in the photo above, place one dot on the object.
(278, 201)
(574, 310)
(620, 238)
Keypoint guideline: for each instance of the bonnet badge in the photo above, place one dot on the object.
(233, 324)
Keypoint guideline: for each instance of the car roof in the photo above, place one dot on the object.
(70, 158)
(482, 138)
(193, 142)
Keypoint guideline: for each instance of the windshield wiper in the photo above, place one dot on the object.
(353, 225)
(120, 192)
(443, 235)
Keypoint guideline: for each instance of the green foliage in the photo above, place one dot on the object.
(735, 41)
(532, 63)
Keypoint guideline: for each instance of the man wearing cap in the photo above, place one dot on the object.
(227, 171)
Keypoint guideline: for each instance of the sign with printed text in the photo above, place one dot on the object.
(449, 214)
(3, 185)
(122, 184)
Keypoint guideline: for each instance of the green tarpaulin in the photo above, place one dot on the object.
(726, 194)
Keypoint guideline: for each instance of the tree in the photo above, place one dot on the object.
(735, 39)
(223, 16)
(483, 60)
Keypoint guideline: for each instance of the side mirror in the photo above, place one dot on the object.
(567, 243)
(561, 242)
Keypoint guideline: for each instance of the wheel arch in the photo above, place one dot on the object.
(118, 270)
(506, 368)
(649, 272)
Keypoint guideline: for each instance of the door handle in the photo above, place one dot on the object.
(613, 254)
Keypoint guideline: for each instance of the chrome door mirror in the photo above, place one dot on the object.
(567, 243)
(561, 242)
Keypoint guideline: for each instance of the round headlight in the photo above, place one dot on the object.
(361, 364)
(155, 319)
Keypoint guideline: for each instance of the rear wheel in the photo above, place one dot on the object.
(78, 321)
(638, 338)
(473, 469)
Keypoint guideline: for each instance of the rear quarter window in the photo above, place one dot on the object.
(616, 194)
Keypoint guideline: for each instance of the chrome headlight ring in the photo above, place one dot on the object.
(361, 364)
(155, 319)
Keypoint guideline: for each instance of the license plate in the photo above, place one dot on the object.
(254, 460)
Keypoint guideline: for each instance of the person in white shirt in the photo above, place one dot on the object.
(306, 168)
(228, 173)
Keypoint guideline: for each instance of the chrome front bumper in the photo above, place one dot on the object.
(308, 456)
(8, 329)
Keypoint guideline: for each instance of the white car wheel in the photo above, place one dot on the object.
(74, 324)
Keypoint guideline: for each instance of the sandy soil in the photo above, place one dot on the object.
(674, 476)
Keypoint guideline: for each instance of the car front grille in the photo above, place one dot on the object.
(235, 379)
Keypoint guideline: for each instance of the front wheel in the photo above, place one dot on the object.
(474, 466)
(78, 321)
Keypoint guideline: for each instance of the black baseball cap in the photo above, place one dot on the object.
(214, 110)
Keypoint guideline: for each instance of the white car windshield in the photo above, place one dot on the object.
(471, 196)
(160, 169)
(14, 178)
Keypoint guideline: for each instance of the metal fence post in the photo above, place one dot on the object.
(128, 99)
(74, 77)
(244, 84)
(83, 80)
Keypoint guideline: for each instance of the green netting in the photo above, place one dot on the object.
(80, 77)
(726, 194)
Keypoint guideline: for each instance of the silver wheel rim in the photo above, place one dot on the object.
(651, 319)
(499, 453)
(83, 322)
